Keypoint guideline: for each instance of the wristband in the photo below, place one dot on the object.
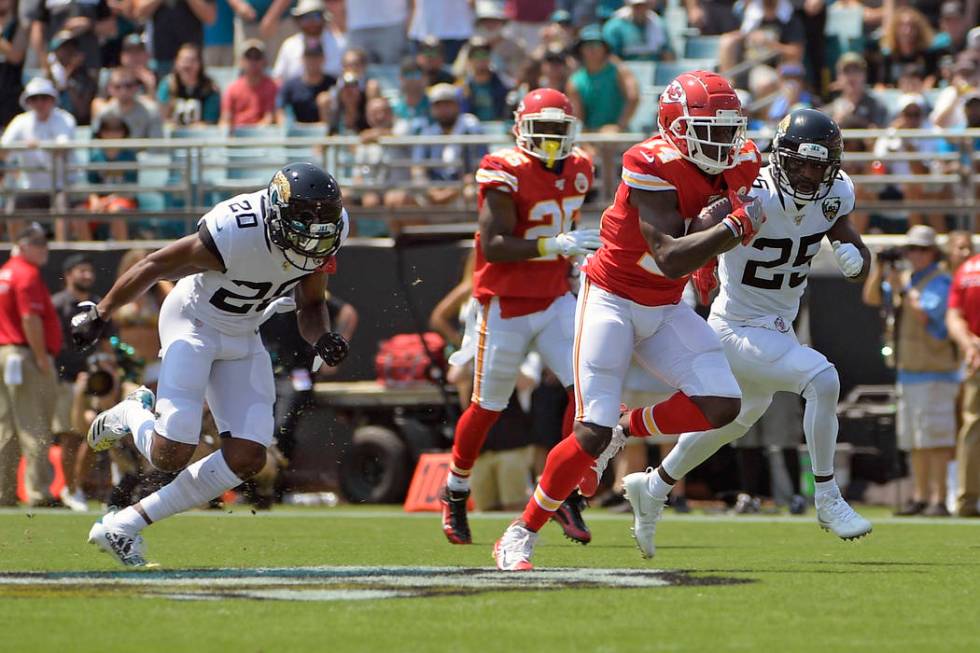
(542, 243)
(732, 225)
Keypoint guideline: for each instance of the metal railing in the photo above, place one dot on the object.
(188, 175)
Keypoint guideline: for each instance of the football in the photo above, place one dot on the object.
(711, 215)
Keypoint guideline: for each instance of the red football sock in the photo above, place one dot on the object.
(678, 414)
(566, 465)
(568, 419)
(471, 433)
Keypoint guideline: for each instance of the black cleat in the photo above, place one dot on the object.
(454, 522)
(569, 517)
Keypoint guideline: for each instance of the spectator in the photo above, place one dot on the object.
(486, 93)
(854, 98)
(30, 335)
(173, 23)
(507, 55)
(378, 28)
(312, 19)
(87, 20)
(13, 46)
(134, 57)
(949, 111)
(79, 274)
(555, 70)
(448, 21)
(123, 14)
(712, 17)
(963, 320)
(954, 23)
(219, 36)
(768, 26)
(307, 96)
(907, 38)
(32, 168)
(348, 107)
(527, 19)
(111, 126)
(141, 116)
(76, 84)
(459, 160)
(187, 95)
(912, 79)
(959, 248)
(259, 19)
(927, 370)
(559, 31)
(792, 93)
(355, 62)
(637, 32)
(250, 99)
(378, 166)
(412, 104)
(431, 62)
(603, 92)
(912, 115)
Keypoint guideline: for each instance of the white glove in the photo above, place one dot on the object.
(282, 305)
(849, 259)
(572, 243)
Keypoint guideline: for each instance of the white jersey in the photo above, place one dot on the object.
(766, 279)
(256, 271)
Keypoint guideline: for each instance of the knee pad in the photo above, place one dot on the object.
(824, 386)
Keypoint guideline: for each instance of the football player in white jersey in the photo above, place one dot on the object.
(248, 252)
(806, 198)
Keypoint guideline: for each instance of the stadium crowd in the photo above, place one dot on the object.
(83, 71)
(79, 72)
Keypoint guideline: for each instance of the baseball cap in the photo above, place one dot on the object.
(304, 7)
(478, 42)
(61, 38)
(489, 9)
(591, 34)
(34, 233)
(630, 3)
(951, 8)
(560, 16)
(133, 41)
(973, 96)
(430, 43)
(74, 261)
(851, 59)
(253, 44)
(443, 93)
(35, 87)
(921, 235)
(907, 100)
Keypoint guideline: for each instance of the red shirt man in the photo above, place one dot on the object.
(23, 293)
(250, 99)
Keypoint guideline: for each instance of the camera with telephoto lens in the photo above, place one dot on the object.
(101, 381)
(891, 255)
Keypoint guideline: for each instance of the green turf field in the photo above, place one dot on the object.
(754, 584)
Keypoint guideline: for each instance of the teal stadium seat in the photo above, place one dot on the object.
(702, 47)
(668, 70)
(644, 71)
(387, 76)
(222, 75)
(303, 130)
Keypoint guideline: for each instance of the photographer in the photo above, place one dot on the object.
(79, 274)
(912, 288)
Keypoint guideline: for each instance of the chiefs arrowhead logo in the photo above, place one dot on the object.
(560, 184)
(673, 94)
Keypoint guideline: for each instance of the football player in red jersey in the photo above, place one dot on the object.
(629, 305)
(529, 201)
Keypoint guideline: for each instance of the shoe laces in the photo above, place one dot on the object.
(840, 510)
(519, 540)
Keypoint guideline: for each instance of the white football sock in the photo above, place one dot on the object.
(128, 520)
(140, 421)
(820, 420)
(658, 487)
(457, 483)
(208, 478)
(825, 489)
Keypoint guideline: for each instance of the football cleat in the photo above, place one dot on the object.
(109, 426)
(647, 510)
(512, 552)
(590, 482)
(128, 549)
(454, 522)
(75, 502)
(569, 517)
(835, 514)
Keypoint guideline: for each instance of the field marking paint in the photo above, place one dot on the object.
(323, 583)
(356, 513)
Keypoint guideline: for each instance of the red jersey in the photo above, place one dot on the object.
(547, 203)
(624, 264)
(22, 292)
(965, 292)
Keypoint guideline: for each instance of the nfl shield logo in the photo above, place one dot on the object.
(830, 206)
(780, 325)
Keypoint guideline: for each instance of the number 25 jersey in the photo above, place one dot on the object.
(256, 271)
(624, 265)
(767, 277)
(547, 203)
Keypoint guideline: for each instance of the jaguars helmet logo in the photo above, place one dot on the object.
(280, 186)
(830, 208)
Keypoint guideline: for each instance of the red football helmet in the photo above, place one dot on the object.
(702, 116)
(544, 126)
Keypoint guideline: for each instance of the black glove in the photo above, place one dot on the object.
(87, 326)
(332, 348)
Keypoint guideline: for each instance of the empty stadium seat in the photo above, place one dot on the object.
(643, 71)
(668, 70)
(702, 47)
(645, 118)
(222, 75)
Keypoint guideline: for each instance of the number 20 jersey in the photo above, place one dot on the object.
(547, 203)
(256, 271)
(767, 277)
(624, 264)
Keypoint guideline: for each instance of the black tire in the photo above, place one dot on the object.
(375, 468)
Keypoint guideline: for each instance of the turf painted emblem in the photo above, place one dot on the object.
(335, 583)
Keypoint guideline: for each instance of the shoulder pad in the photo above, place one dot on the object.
(500, 169)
